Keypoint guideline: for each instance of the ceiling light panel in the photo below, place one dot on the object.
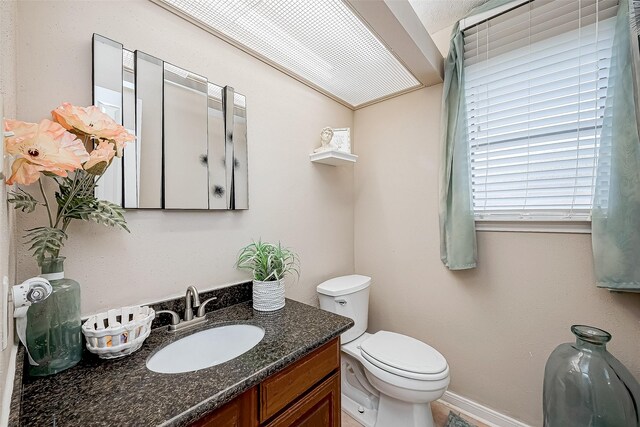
(319, 41)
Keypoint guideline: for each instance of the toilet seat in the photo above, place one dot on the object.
(404, 356)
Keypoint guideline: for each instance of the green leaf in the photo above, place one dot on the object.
(79, 207)
(88, 208)
(107, 213)
(76, 197)
(45, 240)
(268, 261)
(23, 200)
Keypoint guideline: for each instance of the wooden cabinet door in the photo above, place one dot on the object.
(320, 408)
(240, 412)
(283, 388)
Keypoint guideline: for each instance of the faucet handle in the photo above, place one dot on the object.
(175, 319)
(202, 307)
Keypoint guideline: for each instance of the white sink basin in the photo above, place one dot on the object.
(205, 349)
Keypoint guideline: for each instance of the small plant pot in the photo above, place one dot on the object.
(268, 296)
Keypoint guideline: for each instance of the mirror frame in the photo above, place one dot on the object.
(230, 162)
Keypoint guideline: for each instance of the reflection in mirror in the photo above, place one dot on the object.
(227, 95)
(107, 95)
(129, 159)
(216, 153)
(149, 88)
(236, 157)
(185, 139)
(240, 166)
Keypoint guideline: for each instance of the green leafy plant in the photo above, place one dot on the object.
(45, 241)
(268, 261)
(23, 200)
(76, 200)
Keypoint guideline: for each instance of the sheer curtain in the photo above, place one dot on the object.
(458, 249)
(615, 210)
(616, 206)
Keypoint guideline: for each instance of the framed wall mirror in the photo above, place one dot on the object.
(149, 94)
(186, 172)
(191, 134)
(108, 83)
(240, 153)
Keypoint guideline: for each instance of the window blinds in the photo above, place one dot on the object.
(535, 87)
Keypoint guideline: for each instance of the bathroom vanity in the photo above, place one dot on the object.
(292, 376)
(306, 393)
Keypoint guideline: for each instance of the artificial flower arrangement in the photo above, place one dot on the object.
(74, 150)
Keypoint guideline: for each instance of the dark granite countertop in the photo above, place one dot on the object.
(123, 392)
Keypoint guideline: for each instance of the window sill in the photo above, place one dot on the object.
(533, 226)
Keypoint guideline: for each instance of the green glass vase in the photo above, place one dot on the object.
(585, 386)
(54, 335)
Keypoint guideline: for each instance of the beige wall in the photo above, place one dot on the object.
(497, 324)
(7, 260)
(307, 206)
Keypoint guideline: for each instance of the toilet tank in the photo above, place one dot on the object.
(347, 296)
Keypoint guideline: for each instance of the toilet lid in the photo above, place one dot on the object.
(403, 353)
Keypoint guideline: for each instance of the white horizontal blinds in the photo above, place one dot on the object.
(535, 87)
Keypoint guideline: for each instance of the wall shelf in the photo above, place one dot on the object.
(333, 158)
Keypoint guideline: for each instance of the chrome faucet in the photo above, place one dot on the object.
(192, 300)
(192, 293)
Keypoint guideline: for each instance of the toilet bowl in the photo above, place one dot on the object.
(388, 379)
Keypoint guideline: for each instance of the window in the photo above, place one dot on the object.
(535, 82)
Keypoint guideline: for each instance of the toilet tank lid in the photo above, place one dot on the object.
(344, 285)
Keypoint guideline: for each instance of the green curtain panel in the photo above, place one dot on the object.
(616, 206)
(458, 249)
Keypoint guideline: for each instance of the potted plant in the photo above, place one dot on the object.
(72, 152)
(270, 263)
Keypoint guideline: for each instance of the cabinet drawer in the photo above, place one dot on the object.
(240, 412)
(281, 389)
(319, 408)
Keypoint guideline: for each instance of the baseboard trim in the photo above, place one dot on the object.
(5, 405)
(480, 412)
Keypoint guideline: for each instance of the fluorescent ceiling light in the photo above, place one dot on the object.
(320, 42)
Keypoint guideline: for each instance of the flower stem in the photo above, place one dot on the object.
(46, 203)
(72, 194)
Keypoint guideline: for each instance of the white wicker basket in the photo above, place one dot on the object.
(118, 332)
(268, 296)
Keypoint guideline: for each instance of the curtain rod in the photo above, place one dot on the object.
(473, 20)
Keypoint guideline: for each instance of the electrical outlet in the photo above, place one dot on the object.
(5, 311)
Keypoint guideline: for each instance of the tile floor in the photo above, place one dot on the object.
(440, 413)
(347, 421)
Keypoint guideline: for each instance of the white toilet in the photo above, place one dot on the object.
(388, 379)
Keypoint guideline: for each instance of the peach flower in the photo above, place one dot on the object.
(100, 158)
(120, 141)
(21, 131)
(23, 172)
(42, 147)
(93, 122)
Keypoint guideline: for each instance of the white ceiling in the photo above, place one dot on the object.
(437, 15)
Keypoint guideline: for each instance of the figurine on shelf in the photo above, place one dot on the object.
(325, 138)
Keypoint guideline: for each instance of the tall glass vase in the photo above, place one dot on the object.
(54, 334)
(585, 386)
